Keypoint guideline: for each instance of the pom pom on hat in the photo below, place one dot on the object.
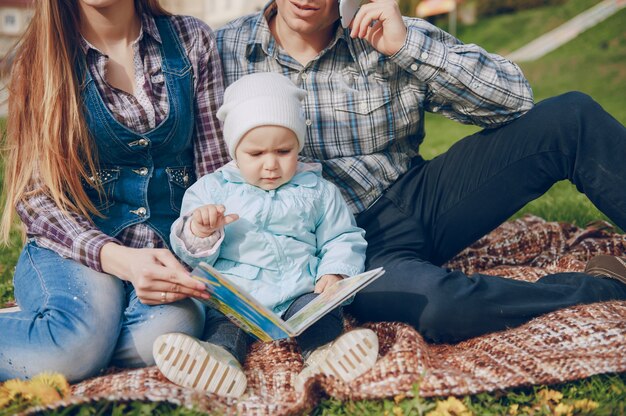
(261, 99)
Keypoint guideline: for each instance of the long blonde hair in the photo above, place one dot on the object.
(46, 136)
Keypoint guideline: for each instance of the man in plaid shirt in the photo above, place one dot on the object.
(368, 88)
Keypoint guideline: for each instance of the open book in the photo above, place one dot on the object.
(260, 321)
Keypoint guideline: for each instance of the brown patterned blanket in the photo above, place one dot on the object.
(566, 345)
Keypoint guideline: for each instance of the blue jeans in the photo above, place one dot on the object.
(441, 206)
(219, 330)
(77, 321)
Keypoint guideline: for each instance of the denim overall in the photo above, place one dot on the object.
(144, 176)
(73, 319)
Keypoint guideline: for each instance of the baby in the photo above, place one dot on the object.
(277, 229)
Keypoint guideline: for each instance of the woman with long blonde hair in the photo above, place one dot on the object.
(111, 117)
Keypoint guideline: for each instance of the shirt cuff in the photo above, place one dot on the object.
(421, 55)
(195, 244)
(197, 247)
(87, 246)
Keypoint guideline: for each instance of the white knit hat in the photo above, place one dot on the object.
(261, 99)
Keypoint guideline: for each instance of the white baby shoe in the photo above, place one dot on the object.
(202, 366)
(346, 358)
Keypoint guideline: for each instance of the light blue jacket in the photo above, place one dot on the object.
(285, 239)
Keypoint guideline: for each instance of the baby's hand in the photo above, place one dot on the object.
(326, 281)
(207, 219)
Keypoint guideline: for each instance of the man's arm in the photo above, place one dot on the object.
(465, 83)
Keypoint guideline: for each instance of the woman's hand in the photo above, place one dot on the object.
(380, 23)
(326, 281)
(207, 219)
(156, 274)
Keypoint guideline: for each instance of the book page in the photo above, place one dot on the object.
(330, 299)
(237, 305)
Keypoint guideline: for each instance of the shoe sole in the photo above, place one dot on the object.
(608, 266)
(351, 355)
(184, 362)
(10, 310)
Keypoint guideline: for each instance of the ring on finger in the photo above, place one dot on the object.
(163, 297)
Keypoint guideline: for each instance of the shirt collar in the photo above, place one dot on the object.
(307, 174)
(262, 36)
(148, 26)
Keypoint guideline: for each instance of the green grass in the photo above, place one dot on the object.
(506, 33)
(610, 401)
(593, 63)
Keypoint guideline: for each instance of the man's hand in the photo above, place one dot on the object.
(156, 274)
(380, 23)
(207, 219)
(326, 281)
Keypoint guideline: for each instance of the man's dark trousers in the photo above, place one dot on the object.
(441, 206)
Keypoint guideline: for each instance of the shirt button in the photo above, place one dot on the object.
(414, 67)
(475, 85)
(308, 122)
(150, 244)
(363, 106)
(143, 142)
(303, 75)
(424, 55)
(141, 211)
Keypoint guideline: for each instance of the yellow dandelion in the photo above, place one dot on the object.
(43, 393)
(513, 409)
(546, 396)
(54, 380)
(4, 396)
(563, 409)
(450, 407)
(585, 405)
(527, 410)
(397, 411)
(398, 398)
(17, 388)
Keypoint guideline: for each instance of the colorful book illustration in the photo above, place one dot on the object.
(260, 321)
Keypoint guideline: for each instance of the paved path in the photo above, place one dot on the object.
(567, 31)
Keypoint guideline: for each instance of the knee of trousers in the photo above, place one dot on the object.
(568, 114)
(134, 348)
(572, 104)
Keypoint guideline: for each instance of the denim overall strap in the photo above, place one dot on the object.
(144, 175)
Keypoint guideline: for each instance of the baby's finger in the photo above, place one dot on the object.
(230, 218)
(214, 217)
(206, 216)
